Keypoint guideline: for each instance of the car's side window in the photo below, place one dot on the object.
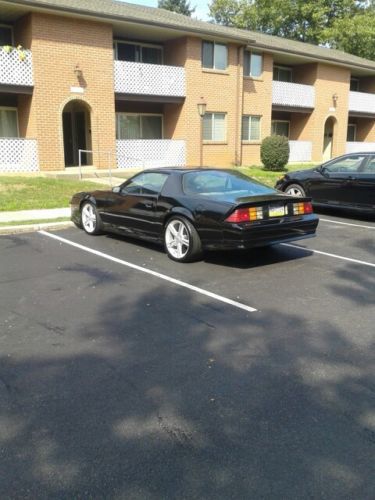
(349, 164)
(370, 166)
(146, 183)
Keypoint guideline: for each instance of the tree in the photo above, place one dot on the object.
(179, 6)
(303, 20)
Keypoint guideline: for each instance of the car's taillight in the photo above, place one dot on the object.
(302, 208)
(245, 215)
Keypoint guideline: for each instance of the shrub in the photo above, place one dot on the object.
(274, 152)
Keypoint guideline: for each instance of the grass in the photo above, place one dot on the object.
(39, 221)
(269, 177)
(29, 193)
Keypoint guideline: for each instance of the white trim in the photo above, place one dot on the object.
(139, 44)
(260, 128)
(12, 108)
(118, 113)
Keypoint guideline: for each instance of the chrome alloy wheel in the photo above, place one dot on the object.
(177, 239)
(89, 220)
(295, 190)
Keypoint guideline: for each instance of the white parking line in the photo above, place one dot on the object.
(347, 223)
(153, 273)
(362, 262)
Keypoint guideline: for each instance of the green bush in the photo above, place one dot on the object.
(274, 152)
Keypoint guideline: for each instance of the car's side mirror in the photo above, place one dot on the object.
(116, 189)
(324, 171)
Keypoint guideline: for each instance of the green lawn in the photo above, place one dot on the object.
(268, 177)
(28, 193)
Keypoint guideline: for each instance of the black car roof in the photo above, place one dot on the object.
(187, 169)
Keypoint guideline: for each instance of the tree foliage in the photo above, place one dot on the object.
(178, 6)
(344, 24)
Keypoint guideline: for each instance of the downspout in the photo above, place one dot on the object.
(239, 107)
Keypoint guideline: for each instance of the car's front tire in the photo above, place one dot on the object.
(181, 240)
(90, 218)
(295, 190)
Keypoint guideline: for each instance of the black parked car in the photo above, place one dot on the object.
(193, 210)
(347, 181)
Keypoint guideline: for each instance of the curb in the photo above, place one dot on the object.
(28, 228)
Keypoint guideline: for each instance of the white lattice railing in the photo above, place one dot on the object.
(16, 68)
(294, 95)
(362, 102)
(149, 79)
(150, 153)
(19, 155)
(300, 151)
(359, 147)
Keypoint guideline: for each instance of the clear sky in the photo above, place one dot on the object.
(201, 11)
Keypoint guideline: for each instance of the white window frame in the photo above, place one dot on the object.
(213, 68)
(249, 53)
(9, 26)
(249, 128)
(12, 108)
(285, 68)
(217, 141)
(139, 44)
(353, 125)
(118, 113)
(281, 121)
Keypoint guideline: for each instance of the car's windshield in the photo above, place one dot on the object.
(218, 183)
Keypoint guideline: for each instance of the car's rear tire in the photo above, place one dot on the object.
(295, 190)
(181, 240)
(90, 218)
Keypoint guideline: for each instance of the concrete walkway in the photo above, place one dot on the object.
(25, 215)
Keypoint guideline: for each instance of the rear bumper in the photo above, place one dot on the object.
(243, 236)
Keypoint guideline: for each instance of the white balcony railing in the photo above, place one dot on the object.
(150, 153)
(362, 102)
(293, 95)
(16, 68)
(359, 147)
(149, 79)
(19, 155)
(300, 151)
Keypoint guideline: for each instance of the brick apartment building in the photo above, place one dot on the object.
(125, 81)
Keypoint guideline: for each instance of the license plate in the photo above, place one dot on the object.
(278, 211)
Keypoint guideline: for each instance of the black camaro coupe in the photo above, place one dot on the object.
(347, 182)
(191, 210)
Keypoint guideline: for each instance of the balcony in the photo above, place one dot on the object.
(359, 147)
(300, 151)
(150, 153)
(140, 79)
(18, 155)
(291, 96)
(362, 103)
(16, 68)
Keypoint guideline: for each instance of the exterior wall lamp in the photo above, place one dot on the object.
(201, 106)
(335, 98)
(78, 71)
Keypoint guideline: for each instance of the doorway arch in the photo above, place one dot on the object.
(329, 129)
(76, 120)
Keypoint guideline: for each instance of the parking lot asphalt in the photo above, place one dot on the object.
(246, 375)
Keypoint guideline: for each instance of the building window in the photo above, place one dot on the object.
(280, 127)
(253, 64)
(136, 52)
(214, 55)
(354, 84)
(8, 122)
(214, 127)
(251, 128)
(137, 126)
(282, 74)
(351, 135)
(6, 35)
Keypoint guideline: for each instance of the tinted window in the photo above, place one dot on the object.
(344, 165)
(5, 35)
(146, 183)
(214, 55)
(370, 166)
(224, 185)
(253, 64)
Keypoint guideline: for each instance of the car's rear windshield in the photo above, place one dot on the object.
(222, 184)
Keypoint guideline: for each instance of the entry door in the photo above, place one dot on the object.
(74, 128)
(328, 138)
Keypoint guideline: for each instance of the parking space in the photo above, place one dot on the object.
(126, 375)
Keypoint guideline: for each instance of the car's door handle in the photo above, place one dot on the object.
(149, 204)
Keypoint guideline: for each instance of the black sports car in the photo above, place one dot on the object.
(347, 181)
(191, 210)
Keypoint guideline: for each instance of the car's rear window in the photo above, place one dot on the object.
(216, 183)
